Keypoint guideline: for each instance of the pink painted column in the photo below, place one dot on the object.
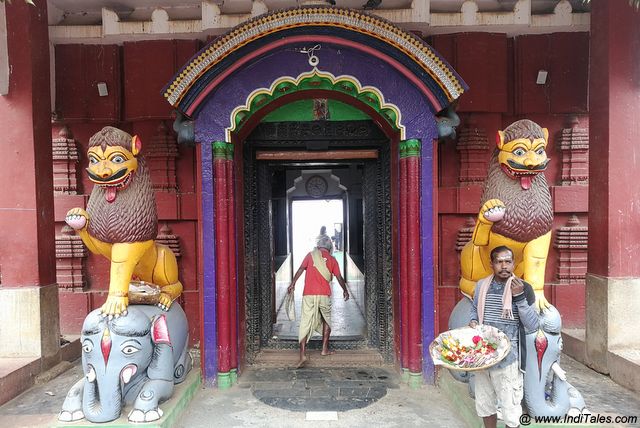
(613, 270)
(28, 290)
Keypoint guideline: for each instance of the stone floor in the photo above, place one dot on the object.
(339, 396)
(399, 407)
(319, 389)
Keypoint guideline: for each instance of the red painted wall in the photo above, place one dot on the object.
(135, 74)
(501, 73)
(26, 203)
(615, 94)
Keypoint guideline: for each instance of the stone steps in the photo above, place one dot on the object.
(290, 357)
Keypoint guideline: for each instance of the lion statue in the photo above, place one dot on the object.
(515, 211)
(121, 221)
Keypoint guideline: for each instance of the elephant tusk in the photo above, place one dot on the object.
(128, 373)
(91, 376)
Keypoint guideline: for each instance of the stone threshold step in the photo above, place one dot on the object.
(289, 358)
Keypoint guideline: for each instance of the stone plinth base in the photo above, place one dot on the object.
(29, 322)
(612, 318)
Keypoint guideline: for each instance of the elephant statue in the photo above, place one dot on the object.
(546, 390)
(133, 359)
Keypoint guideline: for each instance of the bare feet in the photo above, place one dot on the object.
(325, 353)
(301, 362)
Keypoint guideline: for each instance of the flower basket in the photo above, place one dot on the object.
(470, 349)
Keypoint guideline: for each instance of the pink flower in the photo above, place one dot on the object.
(476, 339)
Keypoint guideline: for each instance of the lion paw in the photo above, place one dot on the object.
(164, 302)
(493, 210)
(115, 306)
(77, 218)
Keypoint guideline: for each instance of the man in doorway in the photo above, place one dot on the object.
(323, 234)
(320, 266)
(506, 302)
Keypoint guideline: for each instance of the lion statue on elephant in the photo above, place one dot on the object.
(515, 211)
(121, 221)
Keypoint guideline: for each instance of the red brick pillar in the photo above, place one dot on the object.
(28, 291)
(613, 271)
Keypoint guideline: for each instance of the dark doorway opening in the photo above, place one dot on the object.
(278, 172)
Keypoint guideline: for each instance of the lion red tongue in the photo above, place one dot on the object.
(525, 182)
(110, 194)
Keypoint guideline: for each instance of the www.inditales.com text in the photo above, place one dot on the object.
(583, 418)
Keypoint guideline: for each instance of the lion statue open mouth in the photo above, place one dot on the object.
(121, 220)
(515, 211)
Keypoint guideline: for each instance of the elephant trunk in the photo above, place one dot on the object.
(102, 398)
(558, 403)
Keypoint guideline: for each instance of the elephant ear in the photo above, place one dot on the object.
(160, 331)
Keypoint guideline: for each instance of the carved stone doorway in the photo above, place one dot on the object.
(277, 159)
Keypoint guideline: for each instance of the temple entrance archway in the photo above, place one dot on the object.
(354, 166)
(225, 94)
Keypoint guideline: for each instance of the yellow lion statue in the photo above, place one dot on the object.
(121, 221)
(516, 210)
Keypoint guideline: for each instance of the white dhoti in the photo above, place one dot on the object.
(314, 309)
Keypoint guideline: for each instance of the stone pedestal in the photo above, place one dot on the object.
(613, 318)
(29, 324)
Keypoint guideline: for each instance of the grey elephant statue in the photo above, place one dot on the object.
(546, 390)
(134, 359)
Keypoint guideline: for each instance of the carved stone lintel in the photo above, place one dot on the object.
(574, 144)
(572, 243)
(70, 257)
(473, 146)
(65, 163)
(172, 241)
(161, 158)
(465, 234)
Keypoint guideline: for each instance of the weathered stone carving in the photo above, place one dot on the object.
(465, 234)
(70, 257)
(571, 242)
(166, 237)
(574, 144)
(161, 157)
(472, 147)
(65, 163)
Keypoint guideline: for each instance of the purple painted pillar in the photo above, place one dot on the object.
(209, 342)
(426, 238)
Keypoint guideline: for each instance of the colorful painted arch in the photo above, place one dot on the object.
(405, 52)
